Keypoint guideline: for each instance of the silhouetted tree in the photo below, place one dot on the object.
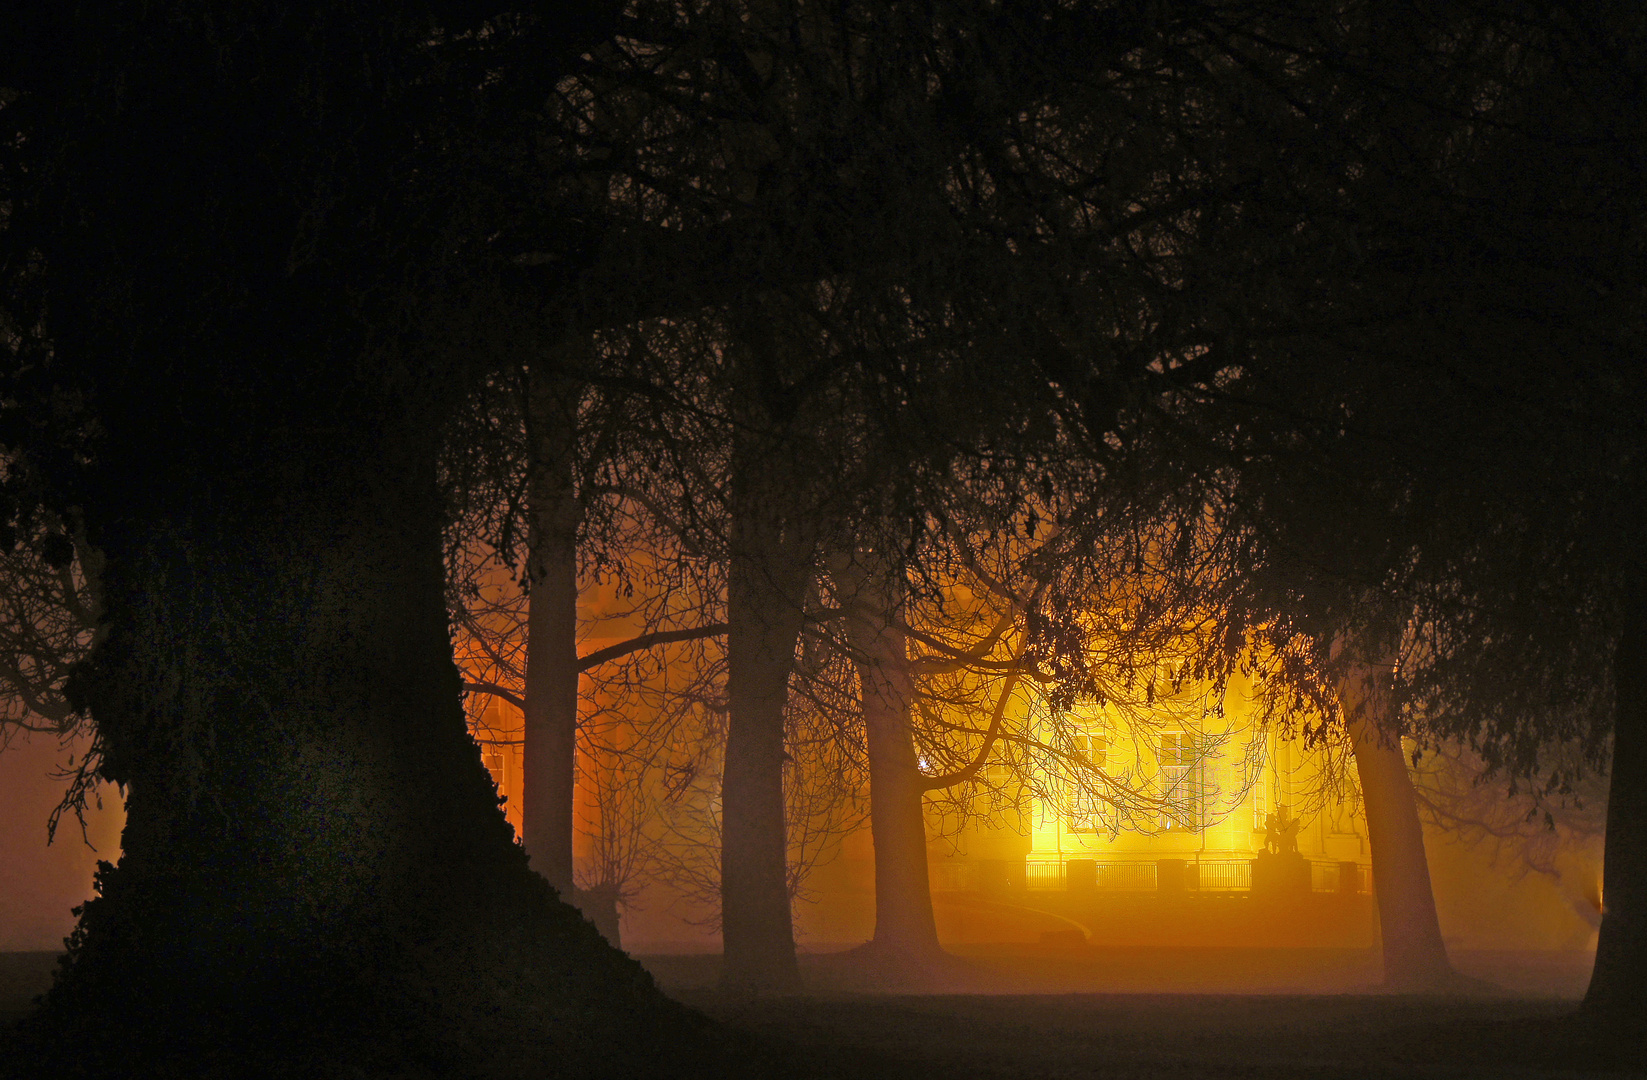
(1415, 957)
(1457, 381)
(48, 612)
(1526, 825)
(636, 693)
(237, 281)
(553, 464)
(1483, 316)
(48, 615)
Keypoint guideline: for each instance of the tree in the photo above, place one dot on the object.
(48, 612)
(1466, 312)
(961, 644)
(904, 922)
(1415, 957)
(1483, 346)
(1538, 826)
(232, 350)
(550, 464)
(635, 698)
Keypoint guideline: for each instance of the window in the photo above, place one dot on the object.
(1092, 747)
(1085, 808)
(1341, 817)
(1179, 782)
(493, 760)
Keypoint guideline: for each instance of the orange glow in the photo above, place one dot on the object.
(39, 884)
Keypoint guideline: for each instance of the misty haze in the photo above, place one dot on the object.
(741, 539)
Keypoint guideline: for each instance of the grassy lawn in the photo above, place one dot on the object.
(22, 976)
(972, 1037)
(1047, 1012)
(1042, 1012)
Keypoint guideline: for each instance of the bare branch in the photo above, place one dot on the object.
(648, 641)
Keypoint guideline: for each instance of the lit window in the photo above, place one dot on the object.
(1085, 809)
(1092, 748)
(493, 760)
(1341, 818)
(1179, 785)
(999, 787)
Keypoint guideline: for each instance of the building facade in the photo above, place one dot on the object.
(1184, 798)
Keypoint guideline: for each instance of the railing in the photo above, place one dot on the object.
(1043, 875)
(1051, 875)
(1207, 876)
(952, 877)
(1340, 877)
(1126, 876)
(1224, 875)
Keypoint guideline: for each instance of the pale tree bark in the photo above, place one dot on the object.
(770, 565)
(1621, 949)
(1415, 956)
(874, 594)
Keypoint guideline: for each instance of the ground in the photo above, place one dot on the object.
(1054, 1011)
(1113, 1036)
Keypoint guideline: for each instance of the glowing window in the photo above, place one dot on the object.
(494, 762)
(1179, 784)
(1092, 748)
(1341, 818)
(1086, 808)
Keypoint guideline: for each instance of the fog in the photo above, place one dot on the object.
(1485, 906)
(40, 883)
(1484, 903)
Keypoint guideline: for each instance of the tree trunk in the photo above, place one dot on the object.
(257, 334)
(549, 754)
(766, 582)
(1615, 993)
(1415, 957)
(315, 870)
(904, 921)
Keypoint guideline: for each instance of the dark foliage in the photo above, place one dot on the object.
(237, 244)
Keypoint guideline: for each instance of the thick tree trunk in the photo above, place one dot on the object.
(251, 330)
(1415, 957)
(314, 857)
(1616, 992)
(766, 582)
(549, 758)
(904, 921)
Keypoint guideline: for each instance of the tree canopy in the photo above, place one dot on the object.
(1344, 297)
